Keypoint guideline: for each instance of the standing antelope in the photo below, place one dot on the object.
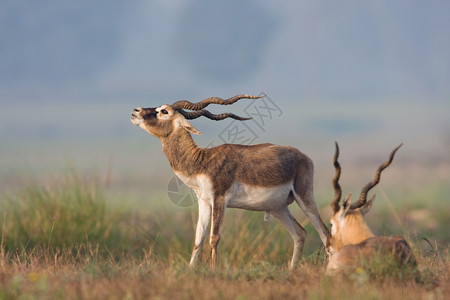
(262, 177)
(351, 238)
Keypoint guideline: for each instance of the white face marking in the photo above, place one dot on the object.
(341, 216)
(136, 118)
(333, 227)
(168, 112)
(137, 121)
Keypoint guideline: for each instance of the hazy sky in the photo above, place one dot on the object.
(367, 73)
(120, 50)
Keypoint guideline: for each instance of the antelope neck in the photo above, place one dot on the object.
(182, 152)
(357, 230)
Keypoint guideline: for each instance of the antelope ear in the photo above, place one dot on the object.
(365, 209)
(346, 204)
(188, 126)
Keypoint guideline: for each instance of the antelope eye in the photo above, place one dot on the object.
(164, 112)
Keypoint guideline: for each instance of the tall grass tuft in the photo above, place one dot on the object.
(69, 213)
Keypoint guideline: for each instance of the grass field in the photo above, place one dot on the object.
(73, 237)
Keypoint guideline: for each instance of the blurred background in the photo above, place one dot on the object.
(368, 74)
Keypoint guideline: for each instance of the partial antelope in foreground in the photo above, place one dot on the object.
(351, 239)
(262, 177)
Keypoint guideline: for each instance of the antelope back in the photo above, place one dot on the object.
(353, 256)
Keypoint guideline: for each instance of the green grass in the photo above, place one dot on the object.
(62, 216)
(71, 238)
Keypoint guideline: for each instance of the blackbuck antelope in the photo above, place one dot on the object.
(262, 177)
(351, 239)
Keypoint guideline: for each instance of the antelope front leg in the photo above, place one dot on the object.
(204, 217)
(216, 227)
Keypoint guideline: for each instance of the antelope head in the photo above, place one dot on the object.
(162, 121)
(347, 223)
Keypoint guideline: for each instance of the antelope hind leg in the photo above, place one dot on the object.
(297, 232)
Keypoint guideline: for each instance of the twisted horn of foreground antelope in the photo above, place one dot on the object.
(374, 182)
(336, 186)
(198, 113)
(212, 100)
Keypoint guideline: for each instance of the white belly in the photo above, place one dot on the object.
(256, 197)
(241, 195)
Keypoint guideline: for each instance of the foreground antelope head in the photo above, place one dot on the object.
(162, 121)
(347, 223)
